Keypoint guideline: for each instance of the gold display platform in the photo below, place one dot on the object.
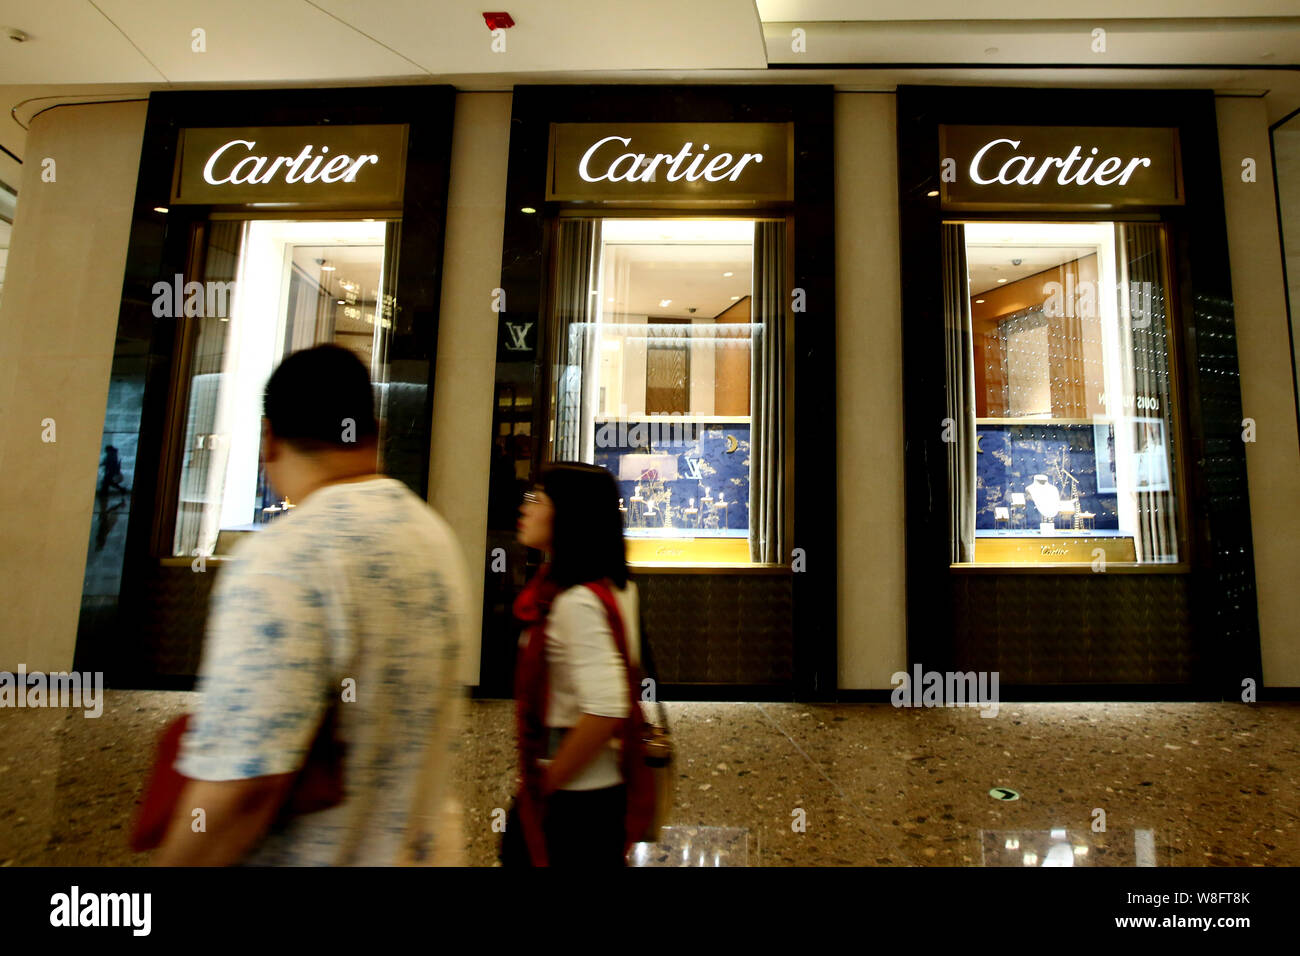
(687, 550)
(1065, 547)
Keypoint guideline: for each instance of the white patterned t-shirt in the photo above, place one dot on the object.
(359, 592)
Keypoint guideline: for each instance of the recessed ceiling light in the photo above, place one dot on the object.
(664, 303)
(979, 301)
(162, 209)
(528, 209)
(932, 193)
(1002, 280)
(727, 275)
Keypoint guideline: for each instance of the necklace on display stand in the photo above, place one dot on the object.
(1047, 500)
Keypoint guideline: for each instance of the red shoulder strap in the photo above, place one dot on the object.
(606, 597)
(636, 774)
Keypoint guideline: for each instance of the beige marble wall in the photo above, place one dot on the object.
(58, 321)
(1286, 158)
(1267, 395)
(869, 393)
(466, 369)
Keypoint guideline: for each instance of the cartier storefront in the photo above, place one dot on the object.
(265, 222)
(1076, 490)
(667, 312)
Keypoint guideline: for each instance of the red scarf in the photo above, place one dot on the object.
(531, 691)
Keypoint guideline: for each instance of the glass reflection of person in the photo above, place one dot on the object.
(113, 476)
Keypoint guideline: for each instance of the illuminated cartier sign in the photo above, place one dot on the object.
(219, 170)
(291, 165)
(1106, 172)
(640, 167)
(1060, 167)
(648, 162)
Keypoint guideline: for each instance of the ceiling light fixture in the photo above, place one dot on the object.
(1002, 280)
(161, 209)
(979, 301)
(727, 275)
(932, 193)
(664, 303)
(529, 210)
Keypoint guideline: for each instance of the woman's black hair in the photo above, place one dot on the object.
(587, 529)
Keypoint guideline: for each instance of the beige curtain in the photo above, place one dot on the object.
(203, 454)
(1144, 346)
(571, 337)
(767, 397)
(960, 369)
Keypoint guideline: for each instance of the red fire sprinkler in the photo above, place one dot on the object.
(498, 21)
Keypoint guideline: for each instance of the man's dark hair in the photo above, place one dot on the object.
(587, 528)
(311, 397)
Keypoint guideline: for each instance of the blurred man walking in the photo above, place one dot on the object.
(330, 668)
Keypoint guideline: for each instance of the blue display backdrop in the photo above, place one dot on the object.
(674, 462)
(1008, 457)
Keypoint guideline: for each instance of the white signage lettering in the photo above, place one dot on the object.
(301, 168)
(1019, 170)
(638, 167)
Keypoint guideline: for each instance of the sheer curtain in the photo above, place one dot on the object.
(204, 453)
(960, 368)
(767, 397)
(571, 337)
(1144, 342)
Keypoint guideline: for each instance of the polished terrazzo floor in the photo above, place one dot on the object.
(795, 784)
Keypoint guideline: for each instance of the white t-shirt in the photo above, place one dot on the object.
(586, 672)
(361, 585)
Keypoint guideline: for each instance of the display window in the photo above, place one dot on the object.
(1063, 442)
(270, 287)
(667, 338)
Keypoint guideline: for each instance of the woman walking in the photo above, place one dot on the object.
(585, 792)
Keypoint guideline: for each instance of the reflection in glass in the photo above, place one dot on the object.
(1060, 846)
(694, 846)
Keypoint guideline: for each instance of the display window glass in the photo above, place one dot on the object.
(666, 338)
(269, 288)
(1061, 385)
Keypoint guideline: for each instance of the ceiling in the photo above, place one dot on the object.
(87, 50)
(638, 277)
(987, 264)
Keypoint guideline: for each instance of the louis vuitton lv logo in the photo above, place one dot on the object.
(518, 336)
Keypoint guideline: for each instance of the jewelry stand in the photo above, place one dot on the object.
(638, 509)
(1018, 520)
